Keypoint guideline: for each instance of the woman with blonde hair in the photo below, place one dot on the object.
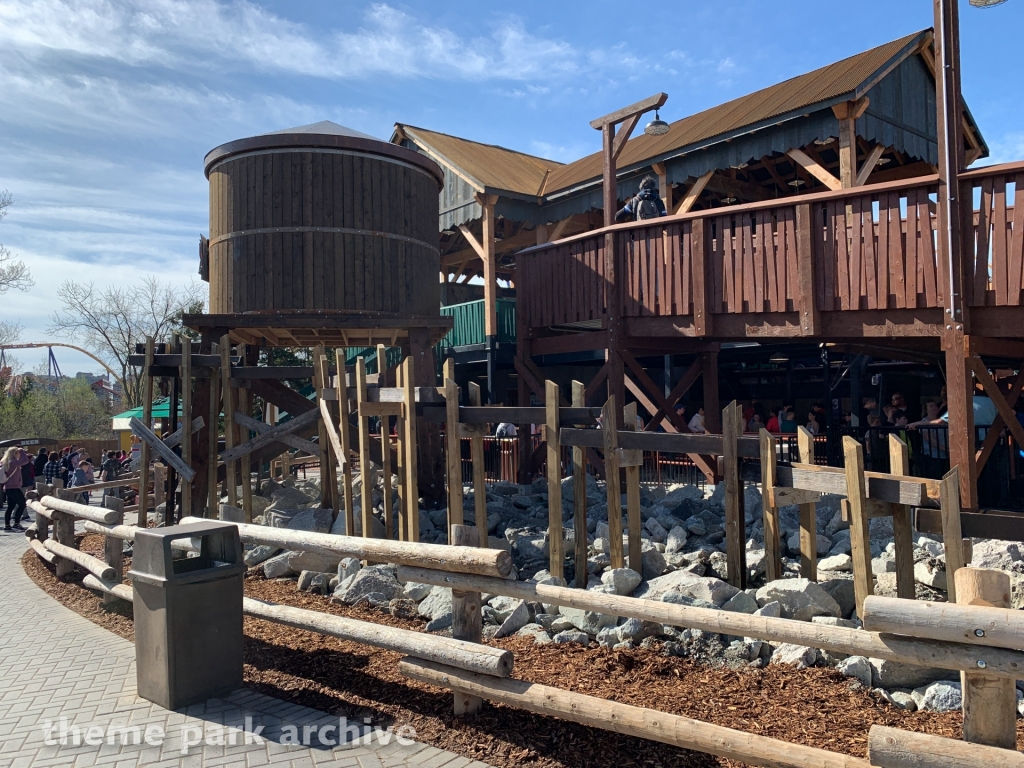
(14, 459)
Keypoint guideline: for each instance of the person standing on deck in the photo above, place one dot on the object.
(647, 204)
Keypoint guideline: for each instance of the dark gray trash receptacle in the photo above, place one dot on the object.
(188, 614)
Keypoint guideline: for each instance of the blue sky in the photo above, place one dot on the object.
(107, 108)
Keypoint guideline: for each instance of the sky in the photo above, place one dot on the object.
(107, 107)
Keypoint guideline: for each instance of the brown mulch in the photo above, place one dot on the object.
(814, 707)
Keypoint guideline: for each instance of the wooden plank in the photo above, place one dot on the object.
(270, 436)
(213, 495)
(855, 220)
(185, 374)
(467, 620)
(747, 447)
(454, 449)
(927, 261)
(870, 257)
(914, 491)
(989, 703)
(735, 534)
(554, 473)
(259, 427)
(703, 291)
(246, 466)
(902, 528)
(843, 277)
(1004, 409)
(952, 538)
(913, 237)
(146, 435)
(363, 426)
(579, 490)
(147, 418)
(829, 257)
(693, 194)
(769, 510)
(860, 538)
(894, 239)
(633, 520)
(750, 278)
(476, 444)
(815, 169)
(810, 319)
(410, 447)
(1015, 248)
(983, 234)
(228, 393)
(610, 440)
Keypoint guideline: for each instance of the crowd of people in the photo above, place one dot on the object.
(71, 465)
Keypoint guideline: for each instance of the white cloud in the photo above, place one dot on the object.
(169, 33)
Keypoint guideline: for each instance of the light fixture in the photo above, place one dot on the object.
(797, 183)
(778, 358)
(657, 126)
(884, 161)
(823, 142)
(739, 166)
(728, 200)
(986, 3)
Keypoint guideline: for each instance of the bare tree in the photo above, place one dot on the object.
(111, 321)
(13, 274)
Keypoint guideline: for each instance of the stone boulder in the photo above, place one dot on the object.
(516, 620)
(313, 520)
(590, 622)
(622, 580)
(700, 587)
(259, 554)
(437, 603)
(571, 636)
(798, 656)
(894, 674)
(676, 540)
(857, 667)
(291, 562)
(941, 696)
(800, 599)
(372, 580)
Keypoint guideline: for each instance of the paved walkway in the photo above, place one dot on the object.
(56, 664)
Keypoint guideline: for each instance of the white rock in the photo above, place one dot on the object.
(992, 553)
(518, 619)
(857, 667)
(700, 587)
(796, 655)
(437, 603)
(622, 580)
(893, 674)
(941, 696)
(656, 530)
(348, 566)
(741, 602)
(676, 540)
(416, 591)
(931, 573)
(571, 636)
(376, 579)
(590, 622)
(772, 610)
(800, 599)
(836, 563)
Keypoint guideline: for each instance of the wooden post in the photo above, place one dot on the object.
(989, 703)
(346, 468)
(365, 489)
(113, 548)
(213, 429)
(229, 416)
(735, 527)
(476, 442)
(902, 531)
(42, 524)
(952, 538)
(385, 447)
(147, 419)
(160, 491)
(611, 468)
(453, 430)
(709, 376)
(579, 494)
(410, 447)
(245, 405)
(185, 373)
(770, 512)
(633, 521)
(808, 513)
(328, 482)
(467, 621)
(554, 472)
(64, 533)
(860, 536)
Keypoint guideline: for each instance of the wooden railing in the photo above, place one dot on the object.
(869, 248)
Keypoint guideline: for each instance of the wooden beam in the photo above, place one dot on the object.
(560, 228)
(623, 134)
(952, 536)
(860, 537)
(693, 194)
(992, 438)
(610, 439)
(270, 436)
(663, 187)
(554, 472)
(659, 399)
(473, 242)
(902, 524)
(741, 189)
(769, 507)
(173, 460)
(1005, 410)
(816, 170)
(259, 427)
(869, 165)
(681, 388)
(735, 522)
(645, 105)
(579, 498)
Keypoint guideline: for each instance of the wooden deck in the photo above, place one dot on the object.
(854, 263)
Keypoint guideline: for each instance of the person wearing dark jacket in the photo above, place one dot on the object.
(14, 459)
(40, 461)
(647, 204)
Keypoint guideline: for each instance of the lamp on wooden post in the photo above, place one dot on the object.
(613, 145)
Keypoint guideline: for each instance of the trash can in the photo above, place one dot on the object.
(188, 613)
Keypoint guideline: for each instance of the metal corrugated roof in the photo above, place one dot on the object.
(822, 85)
(489, 165)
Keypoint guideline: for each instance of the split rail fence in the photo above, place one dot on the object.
(980, 638)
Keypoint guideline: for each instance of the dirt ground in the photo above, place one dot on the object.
(815, 707)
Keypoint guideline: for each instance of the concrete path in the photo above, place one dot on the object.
(56, 664)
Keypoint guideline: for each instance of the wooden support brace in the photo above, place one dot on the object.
(808, 513)
(632, 460)
(410, 459)
(467, 620)
(579, 495)
(454, 454)
(735, 534)
(476, 445)
(860, 539)
(168, 455)
(769, 507)
(902, 530)
(611, 467)
(554, 473)
(147, 418)
(952, 538)
(365, 488)
(228, 393)
(269, 436)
